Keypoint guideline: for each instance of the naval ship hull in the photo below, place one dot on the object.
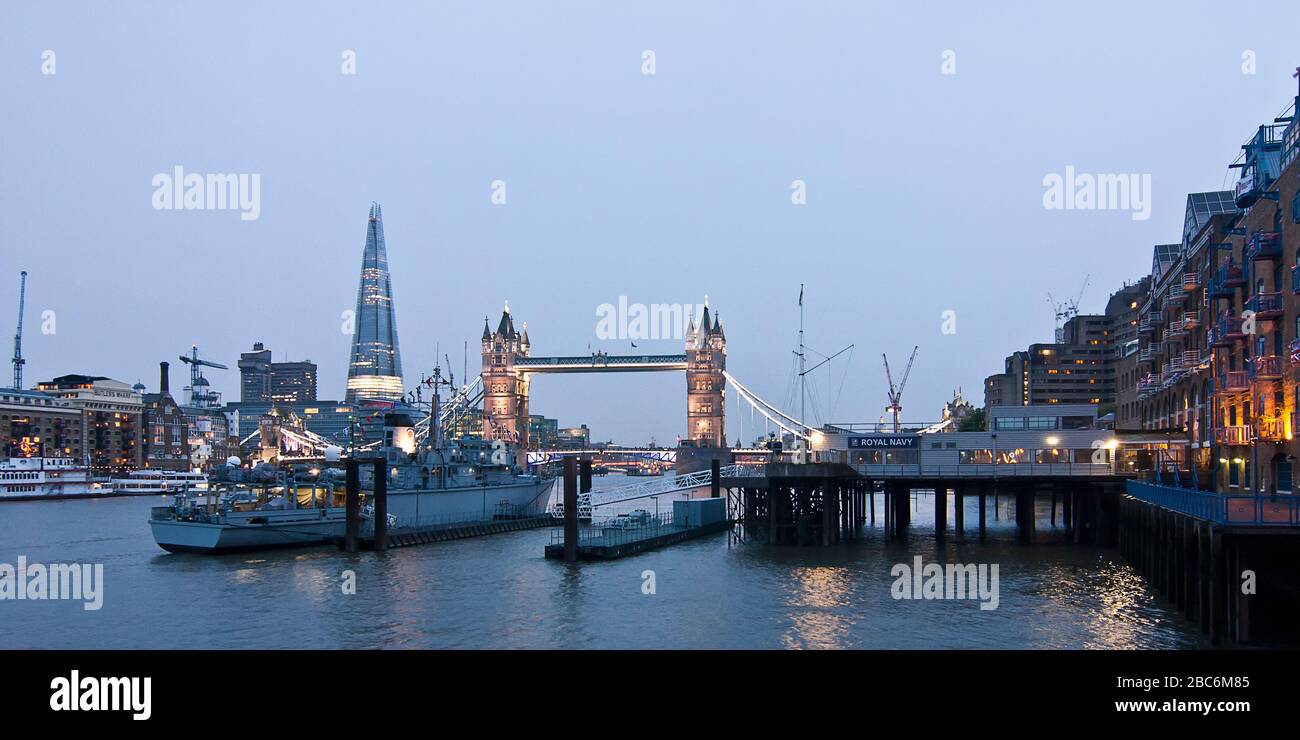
(270, 529)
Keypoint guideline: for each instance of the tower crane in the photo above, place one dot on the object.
(18, 335)
(896, 393)
(200, 396)
(1067, 310)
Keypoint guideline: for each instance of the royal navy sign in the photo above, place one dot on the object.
(891, 441)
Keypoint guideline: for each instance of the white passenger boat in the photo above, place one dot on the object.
(159, 482)
(31, 478)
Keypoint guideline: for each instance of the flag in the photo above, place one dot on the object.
(800, 294)
(633, 345)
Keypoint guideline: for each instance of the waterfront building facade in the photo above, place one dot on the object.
(375, 368)
(543, 432)
(1208, 391)
(166, 438)
(111, 421)
(39, 424)
(261, 380)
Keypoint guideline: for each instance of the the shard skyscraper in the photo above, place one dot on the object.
(375, 371)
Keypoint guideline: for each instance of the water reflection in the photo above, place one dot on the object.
(500, 592)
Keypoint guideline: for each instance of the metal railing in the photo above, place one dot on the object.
(988, 470)
(1267, 367)
(1264, 245)
(621, 530)
(1219, 508)
(1266, 304)
(1232, 435)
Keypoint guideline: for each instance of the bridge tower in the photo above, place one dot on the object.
(505, 390)
(706, 358)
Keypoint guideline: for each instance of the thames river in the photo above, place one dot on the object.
(499, 592)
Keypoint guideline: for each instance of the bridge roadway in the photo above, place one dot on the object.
(599, 361)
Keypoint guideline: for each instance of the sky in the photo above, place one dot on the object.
(921, 136)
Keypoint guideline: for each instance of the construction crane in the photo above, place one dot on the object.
(896, 393)
(200, 396)
(18, 335)
(1063, 312)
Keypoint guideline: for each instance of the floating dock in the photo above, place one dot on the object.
(617, 538)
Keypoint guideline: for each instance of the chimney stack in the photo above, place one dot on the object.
(164, 387)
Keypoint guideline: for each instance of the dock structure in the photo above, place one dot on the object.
(1225, 561)
(617, 538)
(827, 503)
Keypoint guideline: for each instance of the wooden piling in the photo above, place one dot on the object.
(352, 534)
(381, 505)
(959, 509)
(715, 487)
(940, 511)
(570, 511)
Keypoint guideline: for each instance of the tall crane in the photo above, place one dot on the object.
(1067, 310)
(896, 393)
(18, 335)
(200, 396)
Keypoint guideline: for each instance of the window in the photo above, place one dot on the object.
(1009, 422)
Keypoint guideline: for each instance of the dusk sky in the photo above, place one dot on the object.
(924, 189)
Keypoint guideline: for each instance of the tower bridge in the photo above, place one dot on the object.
(509, 364)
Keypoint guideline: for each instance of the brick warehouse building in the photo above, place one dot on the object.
(1212, 390)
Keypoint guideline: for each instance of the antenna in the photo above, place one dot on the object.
(18, 335)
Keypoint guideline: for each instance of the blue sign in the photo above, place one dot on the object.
(884, 441)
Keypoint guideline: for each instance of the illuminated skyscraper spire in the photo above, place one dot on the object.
(375, 371)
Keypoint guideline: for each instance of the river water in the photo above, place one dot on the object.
(500, 592)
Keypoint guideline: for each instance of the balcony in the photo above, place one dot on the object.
(1226, 331)
(1233, 381)
(1224, 280)
(1236, 435)
(1156, 316)
(1191, 281)
(1259, 164)
(1175, 293)
(1270, 428)
(1193, 359)
(1176, 330)
(1266, 305)
(1145, 325)
(1268, 367)
(1264, 245)
(1191, 319)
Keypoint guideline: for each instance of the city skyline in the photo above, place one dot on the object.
(677, 214)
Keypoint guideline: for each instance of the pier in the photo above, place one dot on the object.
(1225, 561)
(828, 503)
